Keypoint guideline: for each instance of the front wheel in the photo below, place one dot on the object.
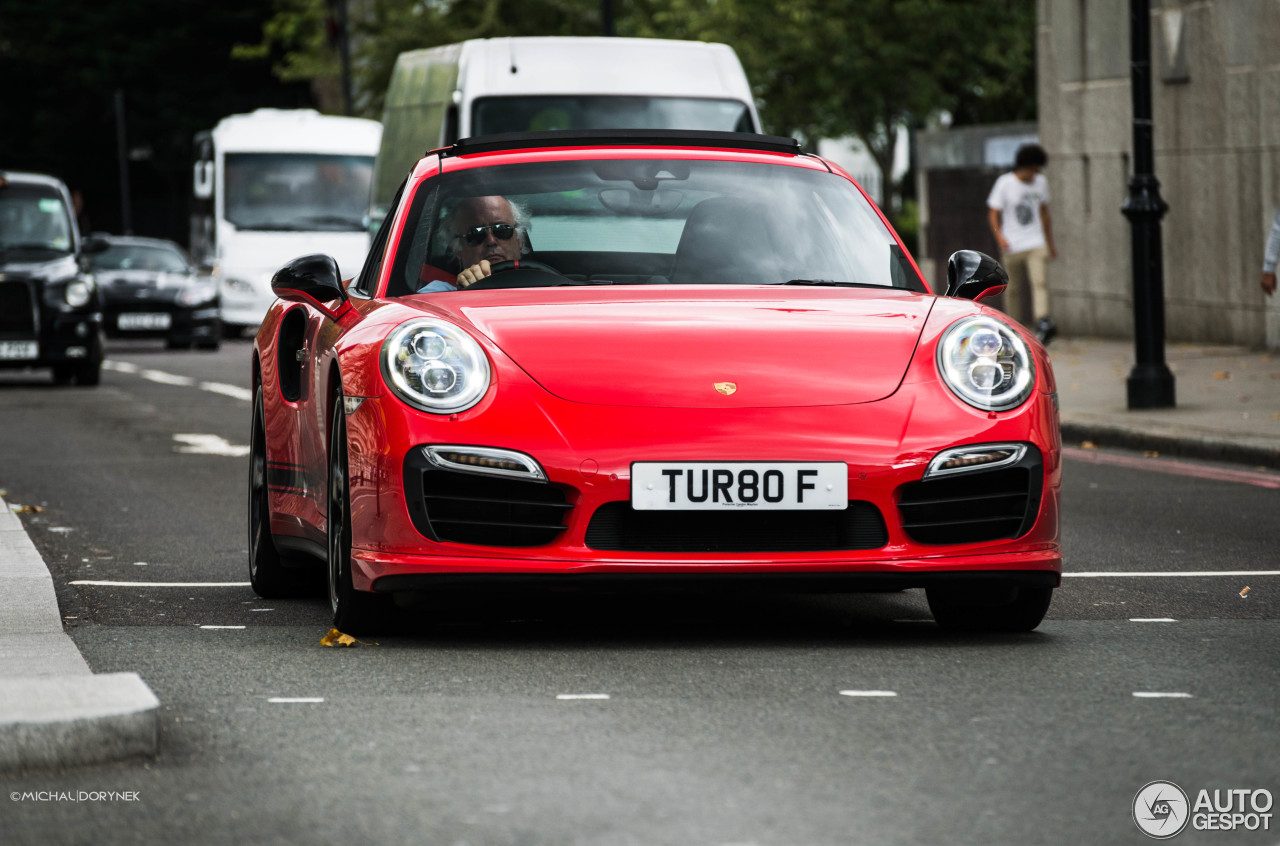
(354, 611)
(1003, 608)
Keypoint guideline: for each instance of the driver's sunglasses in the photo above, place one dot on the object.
(475, 235)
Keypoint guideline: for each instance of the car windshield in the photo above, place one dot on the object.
(660, 221)
(297, 192)
(141, 257)
(533, 114)
(33, 218)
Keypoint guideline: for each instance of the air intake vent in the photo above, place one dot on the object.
(462, 507)
(17, 312)
(974, 507)
(617, 527)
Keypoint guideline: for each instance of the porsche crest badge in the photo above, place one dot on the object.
(726, 388)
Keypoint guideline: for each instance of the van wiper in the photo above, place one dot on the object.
(832, 282)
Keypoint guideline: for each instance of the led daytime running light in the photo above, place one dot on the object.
(976, 457)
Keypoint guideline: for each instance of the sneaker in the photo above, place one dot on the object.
(1046, 330)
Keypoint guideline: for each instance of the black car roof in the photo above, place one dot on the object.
(622, 138)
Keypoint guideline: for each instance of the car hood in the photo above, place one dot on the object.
(704, 347)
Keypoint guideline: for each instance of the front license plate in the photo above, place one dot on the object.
(719, 485)
(143, 321)
(19, 350)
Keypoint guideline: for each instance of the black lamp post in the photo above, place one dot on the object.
(1150, 383)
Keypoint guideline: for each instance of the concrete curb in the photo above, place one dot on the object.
(1204, 446)
(54, 712)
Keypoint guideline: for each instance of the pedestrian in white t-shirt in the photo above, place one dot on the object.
(1018, 211)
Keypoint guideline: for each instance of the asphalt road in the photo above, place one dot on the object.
(672, 719)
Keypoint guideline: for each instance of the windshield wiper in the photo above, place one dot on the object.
(29, 246)
(832, 282)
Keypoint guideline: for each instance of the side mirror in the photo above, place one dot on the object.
(202, 180)
(94, 244)
(314, 277)
(972, 275)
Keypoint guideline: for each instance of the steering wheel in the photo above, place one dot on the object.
(519, 274)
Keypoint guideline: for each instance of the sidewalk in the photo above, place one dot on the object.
(1227, 401)
(55, 713)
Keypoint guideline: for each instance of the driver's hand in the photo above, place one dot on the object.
(474, 274)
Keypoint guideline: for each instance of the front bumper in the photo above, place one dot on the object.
(586, 452)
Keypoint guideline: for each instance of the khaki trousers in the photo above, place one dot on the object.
(1034, 265)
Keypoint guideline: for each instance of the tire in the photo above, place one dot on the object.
(85, 373)
(272, 575)
(354, 611)
(991, 609)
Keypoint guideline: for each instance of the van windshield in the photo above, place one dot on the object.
(297, 192)
(533, 114)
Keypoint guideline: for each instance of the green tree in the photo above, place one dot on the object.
(820, 68)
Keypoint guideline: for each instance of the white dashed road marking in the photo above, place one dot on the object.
(95, 583)
(868, 693)
(222, 627)
(210, 445)
(161, 377)
(1158, 695)
(582, 696)
(295, 699)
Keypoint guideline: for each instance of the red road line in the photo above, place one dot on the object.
(1176, 468)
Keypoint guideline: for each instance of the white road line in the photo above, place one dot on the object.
(295, 699)
(96, 583)
(197, 444)
(222, 388)
(1156, 695)
(1152, 620)
(233, 391)
(868, 693)
(167, 378)
(582, 696)
(1188, 574)
(222, 627)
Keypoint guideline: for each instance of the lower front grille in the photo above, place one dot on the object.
(17, 310)
(974, 507)
(617, 527)
(473, 508)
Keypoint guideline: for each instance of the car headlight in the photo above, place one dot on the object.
(196, 294)
(78, 292)
(435, 366)
(986, 363)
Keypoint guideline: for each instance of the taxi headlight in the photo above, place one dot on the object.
(434, 366)
(78, 293)
(986, 363)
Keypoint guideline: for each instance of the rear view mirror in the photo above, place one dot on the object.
(972, 275)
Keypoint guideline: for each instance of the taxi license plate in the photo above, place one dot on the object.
(143, 321)
(721, 485)
(19, 350)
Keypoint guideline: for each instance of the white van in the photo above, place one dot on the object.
(274, 185)
(492, 85)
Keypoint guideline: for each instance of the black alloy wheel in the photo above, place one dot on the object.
(272, 575)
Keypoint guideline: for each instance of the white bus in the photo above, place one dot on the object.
(491, 85)
(273, 185)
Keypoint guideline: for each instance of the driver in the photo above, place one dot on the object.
(481, 232)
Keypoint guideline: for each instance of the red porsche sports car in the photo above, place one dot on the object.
(607, 357)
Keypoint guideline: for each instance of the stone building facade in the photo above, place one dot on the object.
(1216, 108)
